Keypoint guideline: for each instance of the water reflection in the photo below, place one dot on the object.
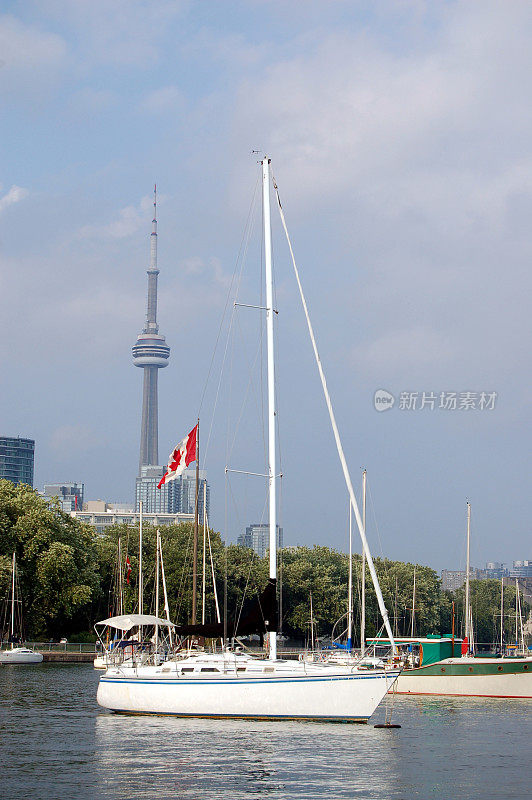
(237, 759)
(55, 742)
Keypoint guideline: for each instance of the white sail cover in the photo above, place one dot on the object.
(128, 621)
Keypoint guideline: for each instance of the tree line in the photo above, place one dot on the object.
(68, 579)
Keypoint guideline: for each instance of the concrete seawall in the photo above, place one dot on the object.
(62, 657)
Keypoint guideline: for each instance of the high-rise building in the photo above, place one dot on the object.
(495, 570)
(151, 353)
(453, 579)
(174, 497)
(70, 495)
(521, 569)
(257, 538)
(17, 459)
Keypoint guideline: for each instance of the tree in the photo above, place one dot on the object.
(56, 561)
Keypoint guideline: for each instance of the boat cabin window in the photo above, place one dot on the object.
(240, 669)
(187, 669)
(269, 669)
(209, 669)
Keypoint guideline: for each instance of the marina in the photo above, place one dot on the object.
(445, 747)
(264, 472)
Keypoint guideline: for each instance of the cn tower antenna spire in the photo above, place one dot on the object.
(151, 353)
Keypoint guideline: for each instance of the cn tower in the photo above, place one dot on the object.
(151, 353)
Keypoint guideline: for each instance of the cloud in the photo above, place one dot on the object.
(128, 221)
(14, 195)
(416, 156)
(167, 98)
(25, 48)
(209, 267)
(125, 32)
(347, 113)
(90, 100)
(399, 350)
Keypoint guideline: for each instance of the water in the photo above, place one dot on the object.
(55, 742)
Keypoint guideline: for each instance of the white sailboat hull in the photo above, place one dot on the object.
(20, 655)
(336, 696)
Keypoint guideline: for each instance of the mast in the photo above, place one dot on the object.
(413, 605)
(120, 603)
(522, 646)
(502, 614)
(13, 603)
(140, 567)
(452, 634)
(271, 384)
(165, 595)
(516, 617)
(204, 554)
(157, 562)
(466, 609)
(350, 583)
(195, 547)
(395, 621)
(311, 624)
(363, 578)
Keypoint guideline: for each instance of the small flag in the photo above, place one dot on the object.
(183, 455)
(128, 569)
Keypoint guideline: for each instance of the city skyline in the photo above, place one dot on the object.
(407, 197)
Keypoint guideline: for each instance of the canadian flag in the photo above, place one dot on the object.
(183, 455)
(128, 569)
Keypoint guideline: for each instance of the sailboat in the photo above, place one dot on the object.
(106, 655)
(440, 670)
(17, 653)
(130, 642)
(233, 683)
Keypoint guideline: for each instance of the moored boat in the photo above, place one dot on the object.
(231, 684)
(20, 655)
(237, 685)
(433, 666)
(17, 653)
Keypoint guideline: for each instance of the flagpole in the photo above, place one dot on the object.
(196, 527)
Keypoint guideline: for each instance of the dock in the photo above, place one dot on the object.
(66, 657)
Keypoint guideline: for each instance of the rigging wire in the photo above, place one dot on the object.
(240, 257)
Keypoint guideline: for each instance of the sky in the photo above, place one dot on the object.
(400, 136)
